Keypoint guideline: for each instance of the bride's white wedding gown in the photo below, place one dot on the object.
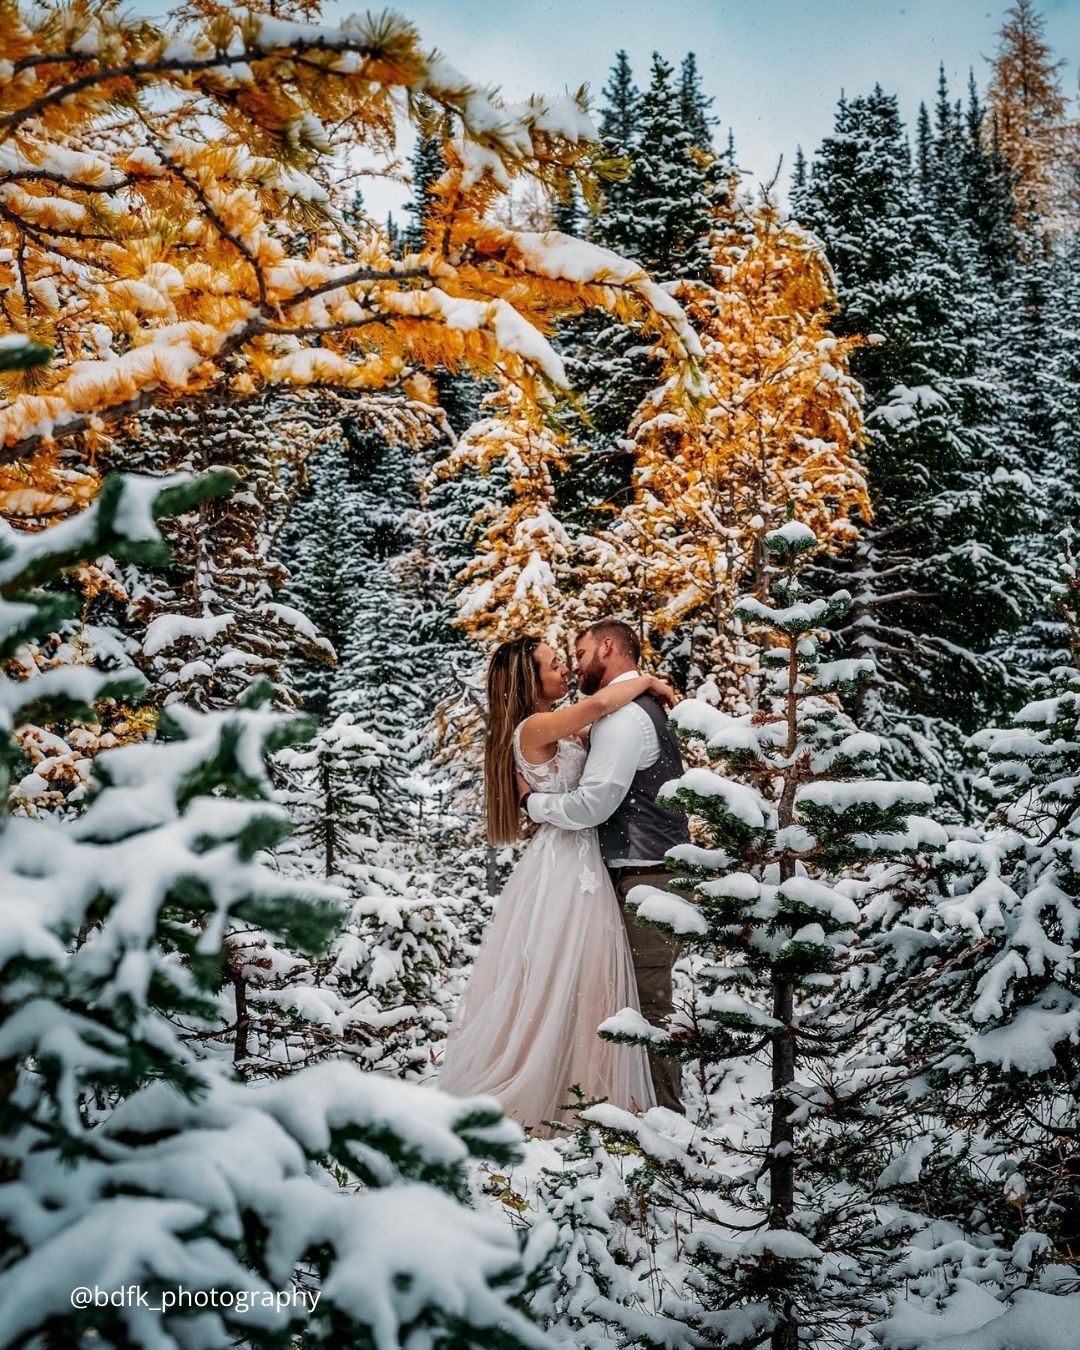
(553, 964)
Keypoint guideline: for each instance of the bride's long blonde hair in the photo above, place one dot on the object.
(513, 688)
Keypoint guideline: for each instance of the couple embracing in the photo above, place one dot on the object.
(563, 953)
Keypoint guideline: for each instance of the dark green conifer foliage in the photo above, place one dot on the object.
(618, 124)
(988, 202)
(800, 172)
(1064, 360)
(213, 619)
(22, 354)
(695, 105)
(659, 215)
(322, 549)
(662, 220)
(352, 550)
(951, 499)
(976, 963)
(567, 216)
(924, 150)
(1038, 362)
(428, 163)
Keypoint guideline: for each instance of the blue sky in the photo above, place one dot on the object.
(775, 67)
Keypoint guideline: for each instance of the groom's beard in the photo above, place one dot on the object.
(589, 680)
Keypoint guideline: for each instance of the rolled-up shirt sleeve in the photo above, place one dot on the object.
(615, 755)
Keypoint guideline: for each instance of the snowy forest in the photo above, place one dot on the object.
(278, 472)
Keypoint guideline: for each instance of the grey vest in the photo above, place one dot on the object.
(640, 828)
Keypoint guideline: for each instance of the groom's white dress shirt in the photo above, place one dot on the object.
(619, 745)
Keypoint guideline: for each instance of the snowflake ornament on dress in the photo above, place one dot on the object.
(553, 965)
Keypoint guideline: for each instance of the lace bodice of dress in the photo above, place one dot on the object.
(561, 851)
(561, 773)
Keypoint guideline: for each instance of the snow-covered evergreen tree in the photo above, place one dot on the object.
(1064, 357)
(663, 220)
(986, 190)
(767, 909)
(321, 547)
(392, 668)
(458, 499)
(985, 969)
(380, 994)
(214, 620)
(567, 215)
(658, 216)
(357, 516)
(621, 1276)
(128, 1159)
(518, 580)
(800, 172)
(950, 498)
(369, 805)
(1038, 361)
(428, 163)
(695, 105)
(330, 799)
(618, 123)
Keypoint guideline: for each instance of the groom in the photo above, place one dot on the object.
(632, 753)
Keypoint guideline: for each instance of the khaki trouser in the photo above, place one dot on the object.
(654, 954)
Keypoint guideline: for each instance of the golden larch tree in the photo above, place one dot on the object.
(169, 222)
(779, 433)
(1027, 109)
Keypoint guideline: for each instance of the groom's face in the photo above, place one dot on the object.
(591, 662)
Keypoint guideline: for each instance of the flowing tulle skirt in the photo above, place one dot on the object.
(554, 963)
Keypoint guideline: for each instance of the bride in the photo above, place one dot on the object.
(555, 961)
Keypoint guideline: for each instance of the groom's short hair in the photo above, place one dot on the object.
(621, 634)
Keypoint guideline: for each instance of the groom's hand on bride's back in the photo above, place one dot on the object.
(663, 691)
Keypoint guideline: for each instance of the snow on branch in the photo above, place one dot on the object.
(203, 242)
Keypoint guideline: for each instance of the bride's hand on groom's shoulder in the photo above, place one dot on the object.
(663, 691)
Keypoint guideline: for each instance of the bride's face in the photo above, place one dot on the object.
(553, 673)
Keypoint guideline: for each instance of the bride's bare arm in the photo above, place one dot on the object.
(541, 731)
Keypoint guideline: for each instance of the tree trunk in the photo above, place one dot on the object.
(243, 1020)
(329, 823)
(782, 1131)
(782, 1142)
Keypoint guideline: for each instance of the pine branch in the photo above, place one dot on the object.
(361, 274)
(72, 184)
(200, 196)
(44, 242)
(146, 71)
